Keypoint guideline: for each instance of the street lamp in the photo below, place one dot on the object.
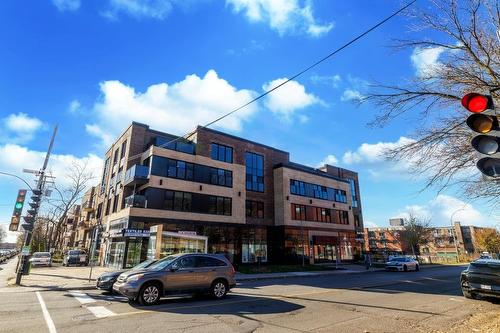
(453, 229)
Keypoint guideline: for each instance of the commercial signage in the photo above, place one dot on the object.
(135, 233)
(189, 233)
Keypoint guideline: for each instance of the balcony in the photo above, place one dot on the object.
(136, 175)
(88, 206)
(135, 200)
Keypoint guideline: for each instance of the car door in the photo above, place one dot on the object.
(208, 270)
(181, 275)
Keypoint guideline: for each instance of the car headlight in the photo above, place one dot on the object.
(107, 278)
(134, 277)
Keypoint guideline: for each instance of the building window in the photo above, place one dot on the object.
(187, 202)
(254, 172)
(104, 176)
(301, 188)
(166, 167)
(174, 143)
(124, 149)
(353, 192)
(254, 209)
(115, 204)
(115, 157)
(108, 206)
(319, 214)
(221, 153)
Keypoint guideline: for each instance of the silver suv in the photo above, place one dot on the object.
(178, 274)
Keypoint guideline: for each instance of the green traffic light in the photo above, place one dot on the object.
(19, 205)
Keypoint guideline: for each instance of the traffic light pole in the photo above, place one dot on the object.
(29, 233)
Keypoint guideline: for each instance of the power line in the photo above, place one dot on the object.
(267, 92)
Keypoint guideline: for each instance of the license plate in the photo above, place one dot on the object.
(82, 258)
(486, 287)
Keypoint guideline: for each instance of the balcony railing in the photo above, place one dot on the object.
(135, 200)
(136, 175)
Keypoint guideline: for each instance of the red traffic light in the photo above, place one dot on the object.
(476, 103)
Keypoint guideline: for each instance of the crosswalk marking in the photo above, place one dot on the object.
(81, 297)
(101, 311)
(97, 311)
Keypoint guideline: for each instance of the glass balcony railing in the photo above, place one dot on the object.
(136, 175)
(135, 200)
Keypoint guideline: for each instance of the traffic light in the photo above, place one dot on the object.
(18, 209)
(484, 121)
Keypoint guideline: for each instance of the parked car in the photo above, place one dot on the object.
(41, 259)
(402, 264)
(485, 255)
(75, 257)
(106, 280)
(178, 274)
(481, 278)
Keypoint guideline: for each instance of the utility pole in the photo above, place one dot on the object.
(23, 260)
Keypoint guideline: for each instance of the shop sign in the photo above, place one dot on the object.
(116, 232)
(190, 233)
(135, 233)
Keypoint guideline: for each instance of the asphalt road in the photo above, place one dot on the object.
(425, 301)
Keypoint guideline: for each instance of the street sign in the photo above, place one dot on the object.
(26, 250)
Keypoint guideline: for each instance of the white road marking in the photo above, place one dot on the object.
(81, 297)
(100, 311)
(46, 315)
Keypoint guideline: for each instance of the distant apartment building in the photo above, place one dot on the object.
(448, 242)
(219, 193)
(69, 226)
(87, 221)
(396, 222)
(384, 242)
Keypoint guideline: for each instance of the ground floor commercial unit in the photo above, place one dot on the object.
(135, 239)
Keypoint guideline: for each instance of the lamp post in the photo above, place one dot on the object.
(453, 229)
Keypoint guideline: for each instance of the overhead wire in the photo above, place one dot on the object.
(267, 92)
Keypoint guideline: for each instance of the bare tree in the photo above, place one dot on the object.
(469, 61)
(65, 198)
(3, 234)
(416, 232)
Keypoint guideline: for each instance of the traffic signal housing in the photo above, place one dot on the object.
(18, 209)
(485, 123)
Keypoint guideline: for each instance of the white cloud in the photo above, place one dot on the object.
(372, 153)
(14, 158)
(20, 127)
(370, 224)
(288, 98)
(329, 159)
(74, 106)
(440, 210)
(426, 60)
(351, 95)
(284, 16)
(176, 108)
(332, 80)
(156, 9)
(67, 5)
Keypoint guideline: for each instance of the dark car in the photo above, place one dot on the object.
(178, 274)
(75, 257)
(106, 280)
(481, 278)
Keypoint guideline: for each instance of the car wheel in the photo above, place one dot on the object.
(149, 294)
(405, 268)
(417, 268)
(219, 289)
(465, 290)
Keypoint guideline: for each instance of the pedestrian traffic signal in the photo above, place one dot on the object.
(484, 121)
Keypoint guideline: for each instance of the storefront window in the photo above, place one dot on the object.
(116, 254)
(171, 244)
(152, 247)
(133, 252)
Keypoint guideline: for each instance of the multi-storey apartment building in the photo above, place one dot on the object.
(69, 227)
(222, 194)
(87, 220)
(383, 242)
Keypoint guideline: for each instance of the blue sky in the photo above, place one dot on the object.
(93, 66)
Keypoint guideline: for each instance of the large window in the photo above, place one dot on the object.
(319, 214)
(298, 187)
(254, 172)
(171, 168)
(175, 143)
(254, 209)
(221, 153)
(187, 202)
(353, 192)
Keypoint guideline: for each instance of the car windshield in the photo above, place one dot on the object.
(143, 264)
(74, 253)
(41, 255)
(163, 263)
(399, 259)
